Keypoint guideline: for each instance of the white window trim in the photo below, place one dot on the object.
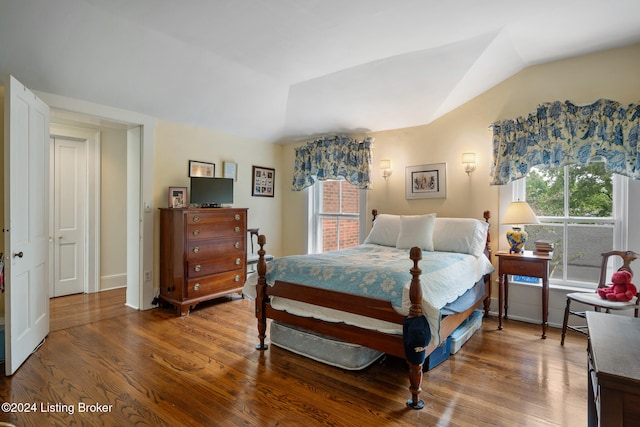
(516, 190)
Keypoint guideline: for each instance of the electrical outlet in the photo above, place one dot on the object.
(147, 276)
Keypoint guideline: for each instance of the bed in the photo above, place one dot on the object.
(376, 295)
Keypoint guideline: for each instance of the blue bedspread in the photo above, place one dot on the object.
(367, 270)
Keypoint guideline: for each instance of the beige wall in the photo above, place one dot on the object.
(113, 200)
(176, 144)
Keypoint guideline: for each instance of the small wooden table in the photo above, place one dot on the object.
(528, 264)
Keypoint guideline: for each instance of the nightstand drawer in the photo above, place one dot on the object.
(522, 267)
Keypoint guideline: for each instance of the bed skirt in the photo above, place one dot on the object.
(322, 348)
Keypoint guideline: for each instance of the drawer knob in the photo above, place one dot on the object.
(237, 229)
(237, 245)
(238, 261)
(197, 267)
(196, 232)
(237, 278)
(196, 287)
(237, 217)
(196, 249)
(196, 218)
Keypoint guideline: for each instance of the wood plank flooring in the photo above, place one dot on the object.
(155, 368)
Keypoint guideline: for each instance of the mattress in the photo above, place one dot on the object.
(322, 348)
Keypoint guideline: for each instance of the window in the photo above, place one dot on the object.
(581, 210)
(337, 209)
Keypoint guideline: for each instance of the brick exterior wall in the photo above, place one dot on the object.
(347, 228)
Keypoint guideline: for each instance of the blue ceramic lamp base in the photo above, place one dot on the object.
(517, 238)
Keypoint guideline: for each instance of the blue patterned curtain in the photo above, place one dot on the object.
(332, 158)
(560, 134)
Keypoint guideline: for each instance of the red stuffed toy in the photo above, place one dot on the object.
(621, 290)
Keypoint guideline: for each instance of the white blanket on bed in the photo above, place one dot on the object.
(446, 276)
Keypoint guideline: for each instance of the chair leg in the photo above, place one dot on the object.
(565, 321)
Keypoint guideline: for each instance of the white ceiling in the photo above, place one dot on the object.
(274, 69)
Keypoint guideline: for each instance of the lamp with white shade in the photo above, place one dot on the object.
(517, 215)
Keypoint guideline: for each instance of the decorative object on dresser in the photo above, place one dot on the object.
(263, 181)
(613, 370)
(203, 254)
(178, 197)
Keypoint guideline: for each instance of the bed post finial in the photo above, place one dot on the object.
(261, 294)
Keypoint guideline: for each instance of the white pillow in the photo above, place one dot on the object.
(385, 230)
(416, 230)
(463, 235)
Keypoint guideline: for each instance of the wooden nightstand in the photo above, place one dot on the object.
(527, 264)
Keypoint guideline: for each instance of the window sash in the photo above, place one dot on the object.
(619, 221)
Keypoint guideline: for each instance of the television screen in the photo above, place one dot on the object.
(211, 191)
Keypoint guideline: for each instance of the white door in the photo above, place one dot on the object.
(69, 216)
(26, 180)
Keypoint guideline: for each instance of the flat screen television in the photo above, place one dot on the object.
(211, 192)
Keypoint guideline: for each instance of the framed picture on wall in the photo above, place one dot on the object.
(230, 170)
(178, 197)
(263, 182)
(202, 169)
(426, 181)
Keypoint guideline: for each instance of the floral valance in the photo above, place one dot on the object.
(560, 134)
(332, 158)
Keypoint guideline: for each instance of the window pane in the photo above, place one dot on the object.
(586, 244)
(590, 191)
(350, 198)
(329, 234)
(545, 191)
(349, 229)
(552, 233)
(330, 196)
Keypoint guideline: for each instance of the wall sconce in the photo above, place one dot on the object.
(469, 162)
(385, 165)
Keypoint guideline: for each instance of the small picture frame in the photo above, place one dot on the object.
(263, 181)
(178, 197)
(426, 181)
(230, 170)
(202, 169)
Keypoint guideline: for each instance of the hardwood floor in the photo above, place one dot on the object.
(154, 368)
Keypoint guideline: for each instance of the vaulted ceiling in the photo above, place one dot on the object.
(287, 69)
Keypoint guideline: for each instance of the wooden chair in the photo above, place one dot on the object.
(594, 300)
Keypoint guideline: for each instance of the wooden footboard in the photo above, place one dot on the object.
(370, 307)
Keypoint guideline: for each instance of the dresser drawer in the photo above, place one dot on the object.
(216, 283)
(199, 250)
(521, 267)
(217, 230)
(214, 265)
(216, 216)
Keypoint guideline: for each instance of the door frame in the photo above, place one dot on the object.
(91, 137)
(140, 292)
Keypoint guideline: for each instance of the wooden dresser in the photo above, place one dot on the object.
(614, 369)
(203, 254)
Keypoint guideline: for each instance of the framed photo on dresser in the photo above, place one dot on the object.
(178, 197)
